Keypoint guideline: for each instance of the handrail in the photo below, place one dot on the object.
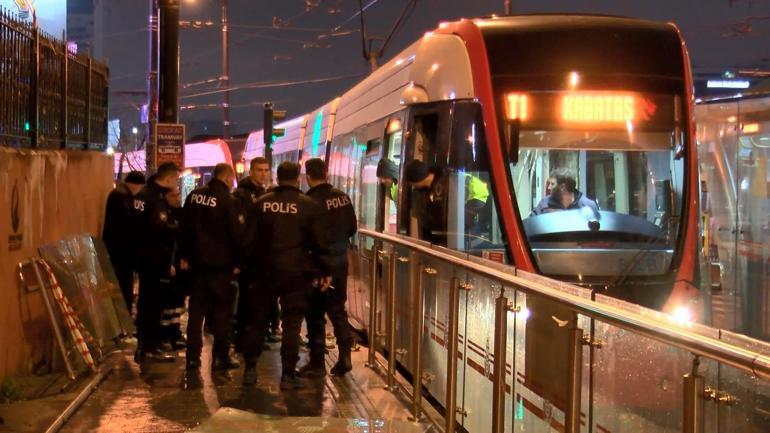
(740, 358)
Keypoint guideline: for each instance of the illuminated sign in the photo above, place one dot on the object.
(595, 109)
(517, 106)
(599, 107)
(728, 84)
(750, 128)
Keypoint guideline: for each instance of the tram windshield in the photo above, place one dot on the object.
(598, 172)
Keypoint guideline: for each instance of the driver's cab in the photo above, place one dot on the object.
(632, 228)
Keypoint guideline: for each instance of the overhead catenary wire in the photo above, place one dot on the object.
(273, 84)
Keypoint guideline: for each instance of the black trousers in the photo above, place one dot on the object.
(173, 307)
(212, 295)
(149, 307)
(292, 291)
(331, 303)
(125, 275)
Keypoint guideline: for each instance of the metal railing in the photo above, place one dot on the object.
(52, 98)
(608, 330)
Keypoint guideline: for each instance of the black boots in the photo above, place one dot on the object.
(250, 374)
(344, 364)
(227, 363)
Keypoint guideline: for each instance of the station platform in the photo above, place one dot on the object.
(163, 397)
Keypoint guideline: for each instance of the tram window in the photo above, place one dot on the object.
(387, 174)
(369, 186)
(472, 221)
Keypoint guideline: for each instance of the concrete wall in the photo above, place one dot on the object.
(44, 196)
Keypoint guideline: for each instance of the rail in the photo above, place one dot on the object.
(700, 349)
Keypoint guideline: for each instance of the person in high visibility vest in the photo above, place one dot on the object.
(430, 204)
(387, 175)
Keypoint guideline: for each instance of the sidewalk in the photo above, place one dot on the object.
(161, 397)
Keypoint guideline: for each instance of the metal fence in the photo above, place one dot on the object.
(503, 351)
(51, 98)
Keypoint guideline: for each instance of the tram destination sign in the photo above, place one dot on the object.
(592, 109)
(170, 139)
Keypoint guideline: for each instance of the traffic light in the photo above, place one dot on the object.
(271, 117)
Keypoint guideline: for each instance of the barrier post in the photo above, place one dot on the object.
(453, 325)
(417, 320)
(391, 324)
(498, 375)
(371, 361)
(694, 391)
(574, 380)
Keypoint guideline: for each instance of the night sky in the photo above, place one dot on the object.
(721, 34)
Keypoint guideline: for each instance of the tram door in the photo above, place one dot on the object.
(427, 140)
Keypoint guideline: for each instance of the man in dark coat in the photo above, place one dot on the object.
(339, 220)
(117, 234)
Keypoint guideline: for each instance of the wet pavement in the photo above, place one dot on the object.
(162, 397)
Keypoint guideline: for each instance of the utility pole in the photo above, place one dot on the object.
(507, 4)
(225, 73)
(168, 102)
(152, 89)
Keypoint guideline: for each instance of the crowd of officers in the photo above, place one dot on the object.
(237, 255)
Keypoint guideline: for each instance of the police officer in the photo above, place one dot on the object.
(117, 234)
(249, 190)
(155, 237)
(339, 218)
(209, 247)
(291, 253)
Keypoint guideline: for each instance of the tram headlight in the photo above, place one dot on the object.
(682, 315)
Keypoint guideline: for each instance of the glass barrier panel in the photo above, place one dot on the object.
(435, 285)
(743, 400)
(637, 383)
(541, 364)
(477, 337)
(405, 311)
(465, 403)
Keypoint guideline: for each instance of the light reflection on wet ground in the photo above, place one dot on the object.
(161, 397)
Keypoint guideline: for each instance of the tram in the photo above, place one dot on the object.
(507, 101)
(199, 160)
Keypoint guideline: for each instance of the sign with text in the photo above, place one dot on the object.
(169, 138)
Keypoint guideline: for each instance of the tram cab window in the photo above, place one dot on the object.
(628, 184)
(451, 196)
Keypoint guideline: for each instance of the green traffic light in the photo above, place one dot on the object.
(26, 126)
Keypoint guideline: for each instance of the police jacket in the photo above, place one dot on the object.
(247, 194)
(339, 219)
(290, 234)
(117, 233)
(155, 232)
(211, 228)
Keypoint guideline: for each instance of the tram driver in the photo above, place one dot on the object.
(564, 194)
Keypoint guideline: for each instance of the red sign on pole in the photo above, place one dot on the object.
(169, 138)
